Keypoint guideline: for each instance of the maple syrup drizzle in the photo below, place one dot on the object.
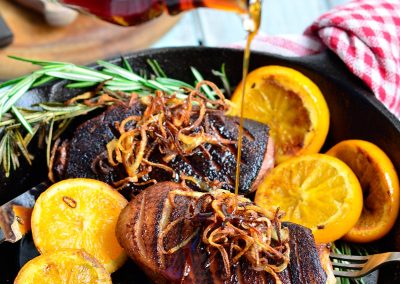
(251, 24)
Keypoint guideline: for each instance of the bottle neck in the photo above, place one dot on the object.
(177, 6)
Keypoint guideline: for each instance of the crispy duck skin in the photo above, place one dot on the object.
(84, 154)
(142, 221)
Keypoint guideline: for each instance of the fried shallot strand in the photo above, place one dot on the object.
(171, 125)
(234, 228)
(52, 157)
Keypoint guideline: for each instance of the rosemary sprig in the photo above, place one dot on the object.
(126, 64)
(125, 74)
(17, 91)
(53, 117)
(21, 118)
(205, 88)
(224, 79)
(56, 115)
(48, 142)
(158, 71)
(114, 77)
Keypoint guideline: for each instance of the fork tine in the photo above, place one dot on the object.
(348, 274)
(349, 257)
(348, 265)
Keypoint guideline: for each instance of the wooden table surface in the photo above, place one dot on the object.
(215, 28)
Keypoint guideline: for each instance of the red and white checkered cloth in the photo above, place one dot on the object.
(365, 34)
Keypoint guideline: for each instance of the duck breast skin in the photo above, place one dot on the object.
(84, 153)
(141, 222)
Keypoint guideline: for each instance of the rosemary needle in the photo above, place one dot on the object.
(22, 119)
(205, 88)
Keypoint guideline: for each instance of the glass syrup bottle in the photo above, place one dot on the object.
(135, 12)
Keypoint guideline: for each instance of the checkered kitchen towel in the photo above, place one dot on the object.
(365, 34)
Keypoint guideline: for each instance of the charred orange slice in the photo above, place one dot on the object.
(81, 214)
(317, 191)
(63, 266)
(290, 104)
(380, 185)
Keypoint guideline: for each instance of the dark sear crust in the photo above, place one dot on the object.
(138, 232)
(84, 154)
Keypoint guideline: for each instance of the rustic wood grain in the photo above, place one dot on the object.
(84, 41)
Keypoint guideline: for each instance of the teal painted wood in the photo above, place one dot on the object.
(216, 28)
(333, 3)
(184, 33)
(290, 17)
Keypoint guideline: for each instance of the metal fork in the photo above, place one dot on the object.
(358, 266)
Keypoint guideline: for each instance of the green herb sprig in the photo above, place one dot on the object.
(55, 117)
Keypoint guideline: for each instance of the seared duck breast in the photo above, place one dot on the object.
(153, 211)
(85, 155)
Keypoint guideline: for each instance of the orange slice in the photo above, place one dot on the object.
(380, 186)
(317, 191)
(290, 104)
(82, 214)
(63, 266)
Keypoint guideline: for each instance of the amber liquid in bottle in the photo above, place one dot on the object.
(135, 12)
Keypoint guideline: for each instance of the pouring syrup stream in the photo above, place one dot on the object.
(251, 24)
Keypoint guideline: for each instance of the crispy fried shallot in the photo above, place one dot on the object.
(233, 227)
(171, 125)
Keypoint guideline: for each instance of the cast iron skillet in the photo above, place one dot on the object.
(355, 114)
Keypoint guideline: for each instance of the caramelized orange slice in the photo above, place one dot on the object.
(63, 266)
(380, 186)
(290, 104)
(82, 214)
